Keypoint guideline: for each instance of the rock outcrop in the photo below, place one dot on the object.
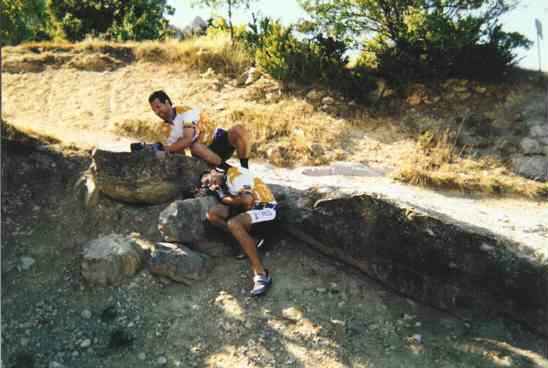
(143, 178)
(427, 255)
(422, 254)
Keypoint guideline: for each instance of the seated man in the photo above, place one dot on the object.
(190, 128)
(245, 201)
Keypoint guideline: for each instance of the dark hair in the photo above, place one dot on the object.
(160, 95)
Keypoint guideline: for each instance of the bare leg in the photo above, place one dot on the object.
(238, 137)
(205, 154)
(217, 216)
(239, 227)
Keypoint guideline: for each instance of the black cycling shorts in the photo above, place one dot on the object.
(221, 145)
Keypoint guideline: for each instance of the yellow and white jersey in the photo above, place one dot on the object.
(194, 118)
(240, 180)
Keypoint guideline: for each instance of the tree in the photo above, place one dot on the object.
(23, 20)
(427, 36)
(118, 19)
(230, 5)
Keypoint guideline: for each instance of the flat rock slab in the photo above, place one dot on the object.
(144, 177)
(111, 259)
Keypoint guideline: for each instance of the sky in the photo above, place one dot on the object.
(521, 19)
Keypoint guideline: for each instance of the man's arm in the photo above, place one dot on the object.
(244, 200)
(182, 143)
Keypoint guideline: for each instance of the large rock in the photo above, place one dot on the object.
(530, 146)
(185, 221)
(111, 259)
(533, 167)
(423, 254)
(179, 263)
(141, 177)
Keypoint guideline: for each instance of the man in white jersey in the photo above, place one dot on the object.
(190, 128)
(245, 200)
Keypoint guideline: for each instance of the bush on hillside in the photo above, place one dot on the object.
(112, 19)
(318, 59)
(23, 20)
(422, 39)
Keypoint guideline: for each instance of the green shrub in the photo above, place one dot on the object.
(112, 19)
(23, 20)
(423, 39)
(318, 59)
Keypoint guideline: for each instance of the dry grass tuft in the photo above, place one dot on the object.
(142, 129)
(201, 53)
(296, 136)
(437, 163)
(25, 135)
(215, 51)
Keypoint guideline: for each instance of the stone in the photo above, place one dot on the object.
(162, 360)
(140, 177)
(184, 221)
(293, 313)
(543, 140)
(530, 146)
(315, 95)
(178, 263)
(317, 150)
(208, 73)
(539, 131)
(414, 100)
(252, 75)
(111, 259)
(534, 122)
(532, 167)
(26, 263)
(86, 314)
(328, 100)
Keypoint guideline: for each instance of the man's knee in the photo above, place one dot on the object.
(234, 225)
(194, 149)
(211, 216)
(236, 133)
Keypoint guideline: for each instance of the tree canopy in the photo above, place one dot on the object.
(427, 33)
(117, 19)
(22, 20)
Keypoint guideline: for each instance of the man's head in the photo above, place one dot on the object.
(161, 104)
(212, 179)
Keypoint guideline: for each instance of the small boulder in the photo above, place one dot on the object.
(533, 167)
(315, 95)
(328, 100)
(530, 146)
(178, 263)
(111, 259)
(184, 221)
(539, 130)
